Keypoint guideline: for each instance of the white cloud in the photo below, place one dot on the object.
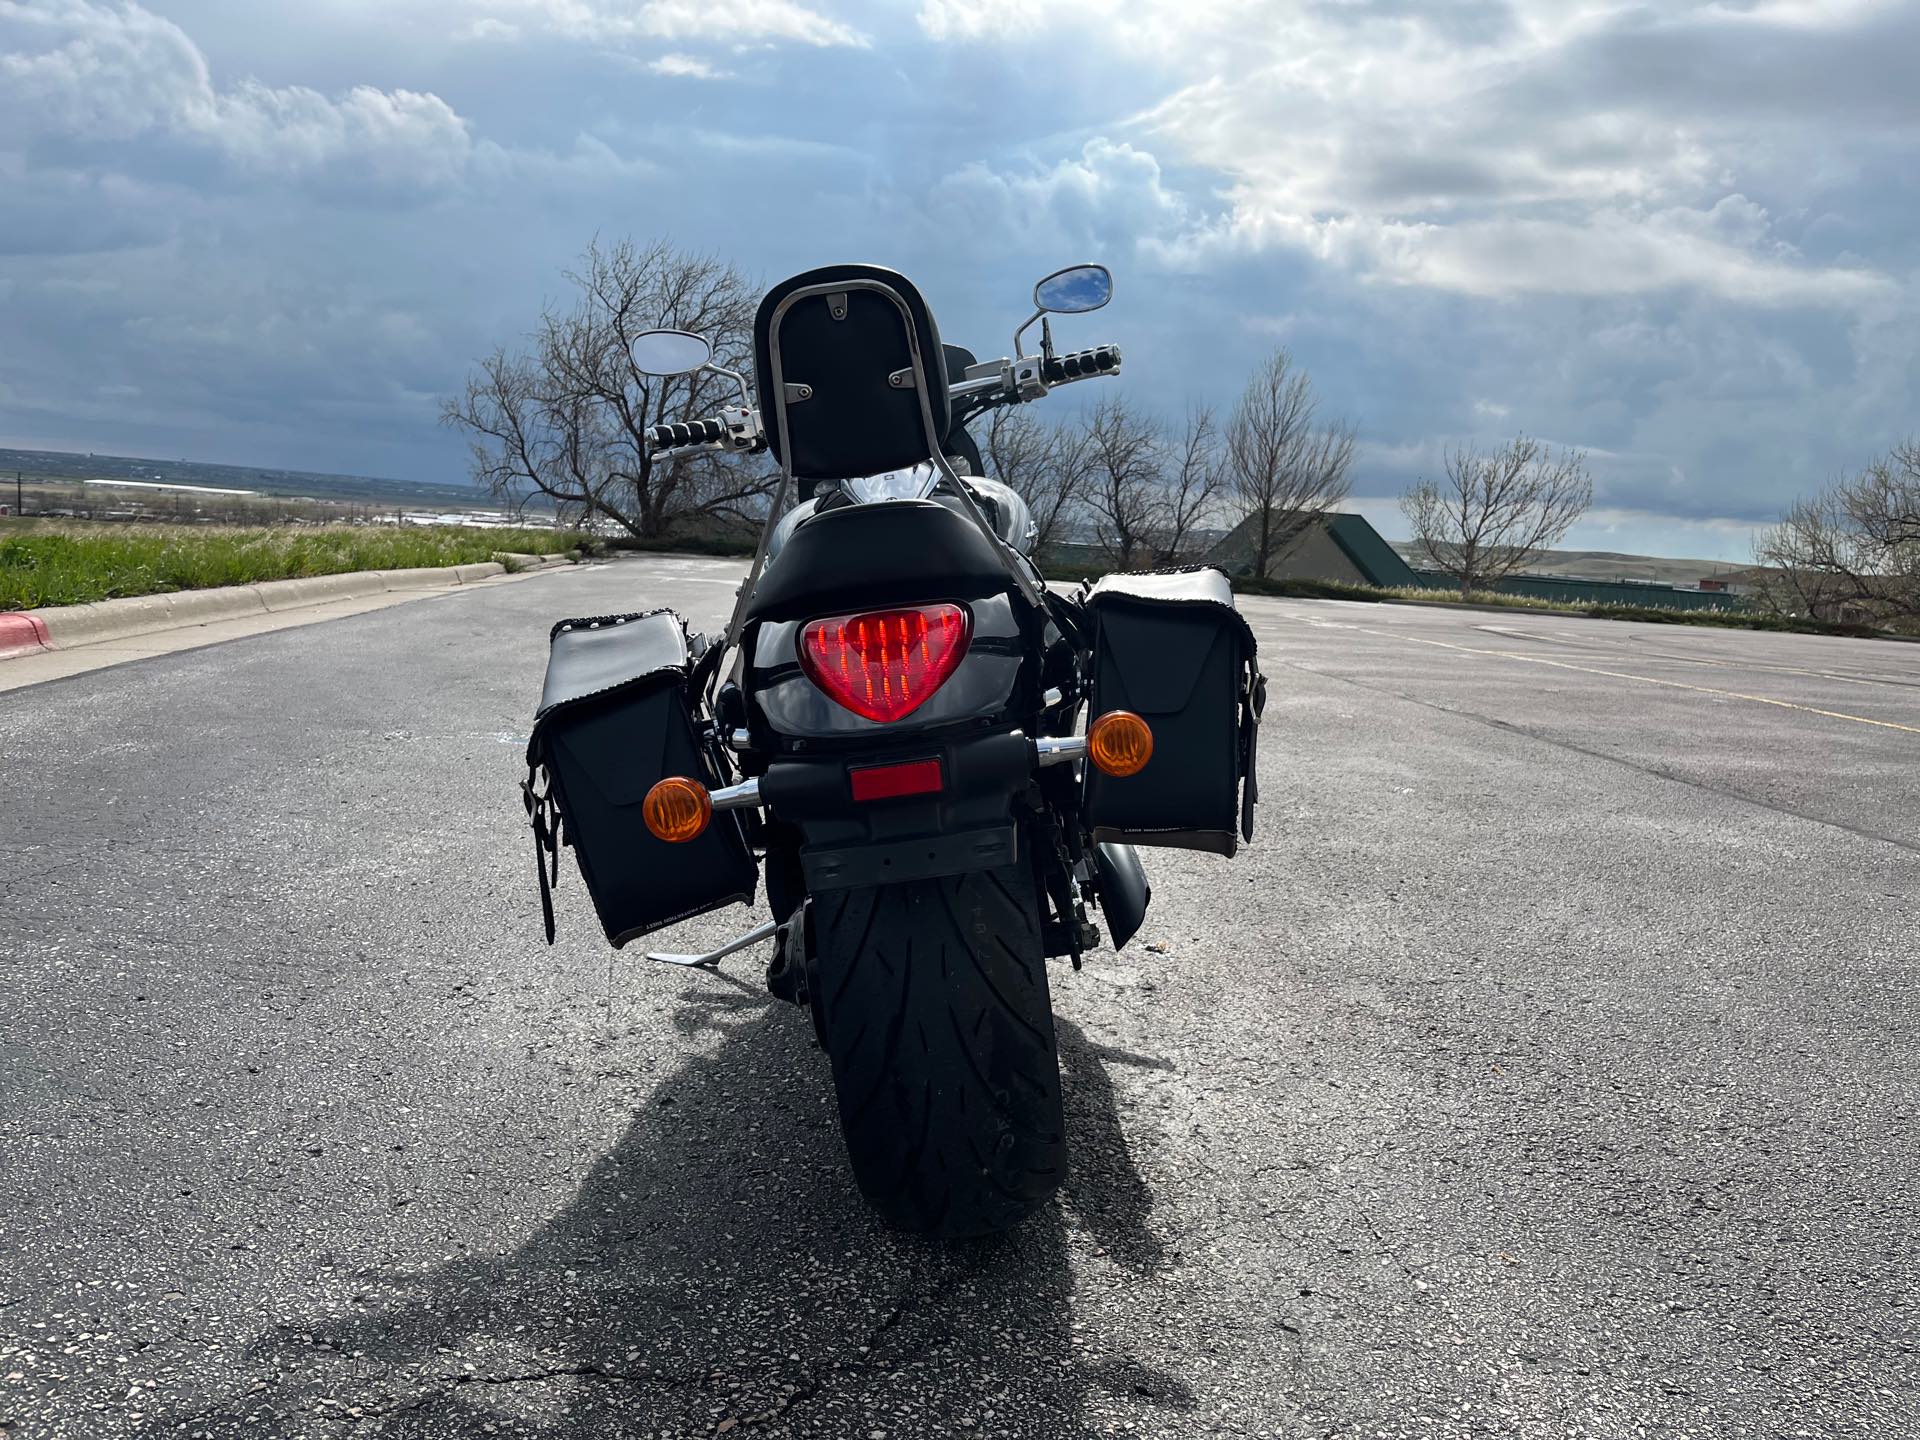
(590, 161)
(1111, 194)
(489, 27)
(101, 73)
(687, 67)
(1605, 252)
(731, 22)
(1497, 150)
(980, 19)
(1168, 28)
(122, 78)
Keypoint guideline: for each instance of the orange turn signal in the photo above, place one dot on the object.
(1119, 743)
(677, 810)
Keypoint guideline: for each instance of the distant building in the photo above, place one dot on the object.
(1734, 582)
(1338, 547)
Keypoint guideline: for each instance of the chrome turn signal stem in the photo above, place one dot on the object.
(744, 796)
(1047, 750)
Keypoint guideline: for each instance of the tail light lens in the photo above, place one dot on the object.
(887, 663)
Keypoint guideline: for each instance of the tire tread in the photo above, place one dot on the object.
(944, 1062)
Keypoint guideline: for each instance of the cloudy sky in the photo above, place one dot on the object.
(1683, 237)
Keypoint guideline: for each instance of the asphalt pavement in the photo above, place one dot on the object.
(1546, 1069)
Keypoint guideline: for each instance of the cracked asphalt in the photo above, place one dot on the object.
(1546, 1069)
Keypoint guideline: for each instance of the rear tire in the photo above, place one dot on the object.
(932, 1004)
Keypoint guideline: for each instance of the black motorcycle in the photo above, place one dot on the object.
(891, 728)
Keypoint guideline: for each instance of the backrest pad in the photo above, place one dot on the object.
(843, 345)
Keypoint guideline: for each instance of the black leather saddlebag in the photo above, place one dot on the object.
(1171, 647)
(616, 715)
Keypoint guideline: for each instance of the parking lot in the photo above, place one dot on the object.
(1547, 1068)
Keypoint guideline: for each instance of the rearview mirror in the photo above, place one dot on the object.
(1074, 290)
(670, 352)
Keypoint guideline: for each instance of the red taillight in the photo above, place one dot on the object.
(885, 664)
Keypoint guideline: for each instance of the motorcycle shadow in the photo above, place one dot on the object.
(716, 1271)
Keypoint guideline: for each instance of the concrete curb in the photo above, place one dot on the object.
(316, 590)
(416, 579)
(535, 562)
(66, 627)
(203, 607)
(70, 625)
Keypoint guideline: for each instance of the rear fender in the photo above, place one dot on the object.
(1121, 883)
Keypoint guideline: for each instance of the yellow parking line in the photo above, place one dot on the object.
(1647, 680)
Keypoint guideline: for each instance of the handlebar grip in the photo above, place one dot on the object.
(1080, 364)
(693, 432)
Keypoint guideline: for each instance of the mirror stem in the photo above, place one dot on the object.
(746, 395)
(1019, 354)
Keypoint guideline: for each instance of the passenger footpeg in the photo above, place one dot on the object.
(714, 957)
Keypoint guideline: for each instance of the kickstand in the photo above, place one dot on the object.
(713, 957)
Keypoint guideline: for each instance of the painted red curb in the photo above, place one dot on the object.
(22, 634)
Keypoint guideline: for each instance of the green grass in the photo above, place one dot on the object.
(69, 563)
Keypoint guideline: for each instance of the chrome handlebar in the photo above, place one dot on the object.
(738, 428)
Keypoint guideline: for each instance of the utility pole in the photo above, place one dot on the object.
(19, 501)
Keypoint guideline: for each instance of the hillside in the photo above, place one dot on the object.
(1611, 565)
(62, 466)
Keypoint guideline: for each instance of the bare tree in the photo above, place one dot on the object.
(1853, 550)
(1049, 465)
(1195, 473)
(568, 418)
(1495, 511)
(1124, 490)
(1285, 471)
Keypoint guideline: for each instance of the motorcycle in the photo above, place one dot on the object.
(942, 765)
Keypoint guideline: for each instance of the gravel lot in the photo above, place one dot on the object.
(1546, 1069)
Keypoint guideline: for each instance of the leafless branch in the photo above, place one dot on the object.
(1851, 552)
(567, 419)
(1493, 512)
(1126, 465)
(1196, 471)
(1049, 465)
(1285, 471)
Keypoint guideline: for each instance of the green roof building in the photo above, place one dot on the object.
(1335, 547)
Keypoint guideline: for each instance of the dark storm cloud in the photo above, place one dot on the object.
(1724, 68)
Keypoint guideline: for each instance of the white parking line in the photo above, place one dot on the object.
(1646, 680)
